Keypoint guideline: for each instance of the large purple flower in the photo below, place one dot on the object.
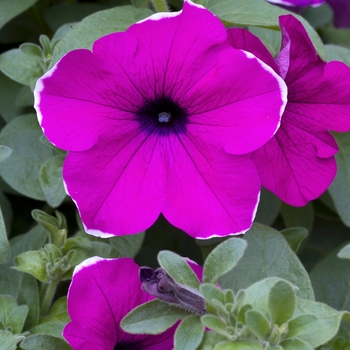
(101, 293)
(159, 119)
(298, 163)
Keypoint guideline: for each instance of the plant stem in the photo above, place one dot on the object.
(160, 5)
(47, 300)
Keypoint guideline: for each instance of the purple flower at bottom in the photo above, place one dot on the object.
(341, 10)
(161, 119)
(101, 293)
(298, 163)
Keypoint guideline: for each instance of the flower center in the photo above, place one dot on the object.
(162, 114)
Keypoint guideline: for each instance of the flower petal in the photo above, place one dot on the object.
(118, 186)
(297, 164)
(229, 104)
(102, 292)
(302, 3)
(77, 102)
(219, 190)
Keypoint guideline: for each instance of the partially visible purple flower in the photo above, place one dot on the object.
(341, 10)
(160, 119)
(101, 293)
(298, 3)
(298, 163)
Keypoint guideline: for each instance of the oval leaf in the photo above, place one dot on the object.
(222, 259)
(189, 334)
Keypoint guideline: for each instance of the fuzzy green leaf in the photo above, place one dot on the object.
(295, 236)
(189, 334)
(215, 323)
(178, 269)
(153, 317)
(11, 315)
(268, 254)
(12, 8)
(344, 253)
(97, 25)
(222, 259)
(281, 302)
(44, 342)
(258, 324)
(50, 176)
(21, 169)
(301, 325)
(5, 249)
(293, 344)
(9, 341)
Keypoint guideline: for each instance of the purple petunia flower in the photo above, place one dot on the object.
(341, 10)
(101, 293)
(298, 163)
(299, 3)
(160, 119)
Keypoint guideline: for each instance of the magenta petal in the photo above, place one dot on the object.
(203, 185)
(102, 292)
(122, 192)
(70, 111)
(235, 108)
(295, 170)
(242, 39)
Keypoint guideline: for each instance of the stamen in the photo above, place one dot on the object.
(164, 117)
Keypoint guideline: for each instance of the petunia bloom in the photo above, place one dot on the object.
(101, 293)
(160, 119)
(298, 3)
(341, 10)
(298, 163)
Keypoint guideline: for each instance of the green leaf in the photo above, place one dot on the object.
(178, 269)
(12, 8)
(327, 325)
(44, 342)
(318, 16)
(210, 339)
(340, 187)
(53, 328)
(58, 15)
(29, 294)
(58, 312)
(32, 263)
(11, 94)
(11, 315)
(11, 280)
(281, 302)
(9, 341)
(239, 345)
(258, 324)
(47, 221)
(344, 253)
(268, 254)
(298, 216)
(50, 176)
(97, 25)
(210, 292)
(21, 169)
(222, 259)
(293, 344)
(31, 49)
(301, 325)
(330, 279)
(257, 13)
(128, 245)
(215, 323)
(295, 236)
(338, 53)
(4, 152)
(153, 317)
(5, 249)
(21, 67)
(189, 333)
